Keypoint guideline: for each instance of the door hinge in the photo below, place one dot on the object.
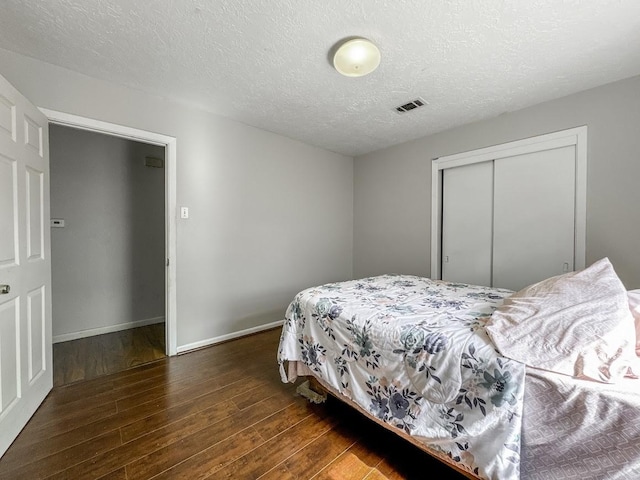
(167, 261)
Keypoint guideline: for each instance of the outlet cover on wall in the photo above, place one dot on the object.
(57, 223)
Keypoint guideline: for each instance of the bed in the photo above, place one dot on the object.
(453, 369)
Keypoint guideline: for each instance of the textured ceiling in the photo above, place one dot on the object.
(265, 62)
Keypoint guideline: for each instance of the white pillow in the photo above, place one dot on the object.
(578, 324)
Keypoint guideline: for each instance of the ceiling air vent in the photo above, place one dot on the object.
(412, 105)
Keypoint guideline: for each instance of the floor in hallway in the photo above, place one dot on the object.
(91, 357)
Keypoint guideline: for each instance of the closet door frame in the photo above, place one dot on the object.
(574, 136)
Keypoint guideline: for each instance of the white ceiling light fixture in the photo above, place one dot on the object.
(356, 57)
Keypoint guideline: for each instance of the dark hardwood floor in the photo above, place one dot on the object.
(91, 357)
(219, 412)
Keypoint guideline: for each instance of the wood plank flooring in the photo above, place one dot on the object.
(219, 412)
(91, 357)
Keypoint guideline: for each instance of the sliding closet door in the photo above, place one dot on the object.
(467, 223)
(534, 205)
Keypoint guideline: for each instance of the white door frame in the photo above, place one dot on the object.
(573, 136)
(169, 144)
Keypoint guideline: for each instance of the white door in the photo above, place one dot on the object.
(534, 217)
(467, 223)
(25, 265)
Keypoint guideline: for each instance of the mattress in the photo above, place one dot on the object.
(413, 354)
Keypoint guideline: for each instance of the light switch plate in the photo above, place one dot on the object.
(184, 212)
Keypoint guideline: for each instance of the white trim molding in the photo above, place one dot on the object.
(65, 337)
(574, 136)
(229, 336)
(169, 143)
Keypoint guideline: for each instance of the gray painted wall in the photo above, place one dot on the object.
(392, 192)
(269, 215)
(108, 260)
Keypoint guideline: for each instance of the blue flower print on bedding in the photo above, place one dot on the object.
(361, 346)
(392, 404)
(501, 388)
(313, 354)
(325, 313)
(414, 353)
(435, 343)
(427, 363)
(438, 303)
(403, 283)
(453, 421)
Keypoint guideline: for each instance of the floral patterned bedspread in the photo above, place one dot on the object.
(413, 353)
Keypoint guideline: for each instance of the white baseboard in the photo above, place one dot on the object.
(229, 336)
(65, 337)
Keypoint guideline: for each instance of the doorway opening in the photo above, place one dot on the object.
(113, 243)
